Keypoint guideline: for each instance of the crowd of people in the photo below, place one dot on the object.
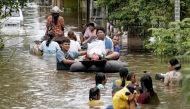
(126, 92)
(70, 49)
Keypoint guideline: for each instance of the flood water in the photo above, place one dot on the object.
(28, 81)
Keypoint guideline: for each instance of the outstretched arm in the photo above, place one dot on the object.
(82, 53)
(69, 62)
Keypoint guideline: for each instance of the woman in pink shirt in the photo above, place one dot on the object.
(91, 32)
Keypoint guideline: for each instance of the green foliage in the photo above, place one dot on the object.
(6, 7)
(150, 12)
(166, 43)
(1, 43)
(186, 88)
(153, 14)
(10, 6)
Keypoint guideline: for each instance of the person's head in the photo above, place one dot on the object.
(100, 32)
(50, 37)
(65, 44)
(84, 26)
(100, 78)
(173, 64)
(115, 40)
(71, 35)
(94, 57)
(91, 26)
(146, 84)
(55, 14)
(94, 94)
(123, 72)
(116, 89)
(131, 77)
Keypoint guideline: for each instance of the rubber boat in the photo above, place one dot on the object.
(106, 66)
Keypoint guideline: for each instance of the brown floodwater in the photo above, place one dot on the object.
(28, 81)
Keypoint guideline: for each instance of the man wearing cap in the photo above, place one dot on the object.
(55, 24)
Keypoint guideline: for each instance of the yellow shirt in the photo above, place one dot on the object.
(95, 103)
(120, 100)
(118, 83)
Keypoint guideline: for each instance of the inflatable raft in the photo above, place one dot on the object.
(106, 66)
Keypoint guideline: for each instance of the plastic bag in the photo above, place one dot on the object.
(97, 47)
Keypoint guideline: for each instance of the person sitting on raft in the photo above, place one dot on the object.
(115, 40)
(65, 57)
(110, 54)
(84, 28)
(94, 97)
(91, 32)
(74, 44)
(89, 35)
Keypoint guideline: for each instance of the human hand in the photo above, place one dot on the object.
(136, 84)
(162, 80)
(132, 97)
(77, 60)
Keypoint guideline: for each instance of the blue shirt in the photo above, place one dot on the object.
(117, 49)
(100, 86)
(108, 43)
(51, 49)
(61, 56)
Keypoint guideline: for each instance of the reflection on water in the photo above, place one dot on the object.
(30, 81)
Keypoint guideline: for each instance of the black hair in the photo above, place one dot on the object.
(99, 78)
(116, 89)
(112, 36)
(55, 17)
(123, 72)
(100, 28)
(146, 82)
(130, 75)
(50, 37)
(174, 62)
(65, 39)
(93, 92)
(91, 24)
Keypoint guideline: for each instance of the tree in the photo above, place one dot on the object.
(147, 12)
(166, 44)
(8, 6)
